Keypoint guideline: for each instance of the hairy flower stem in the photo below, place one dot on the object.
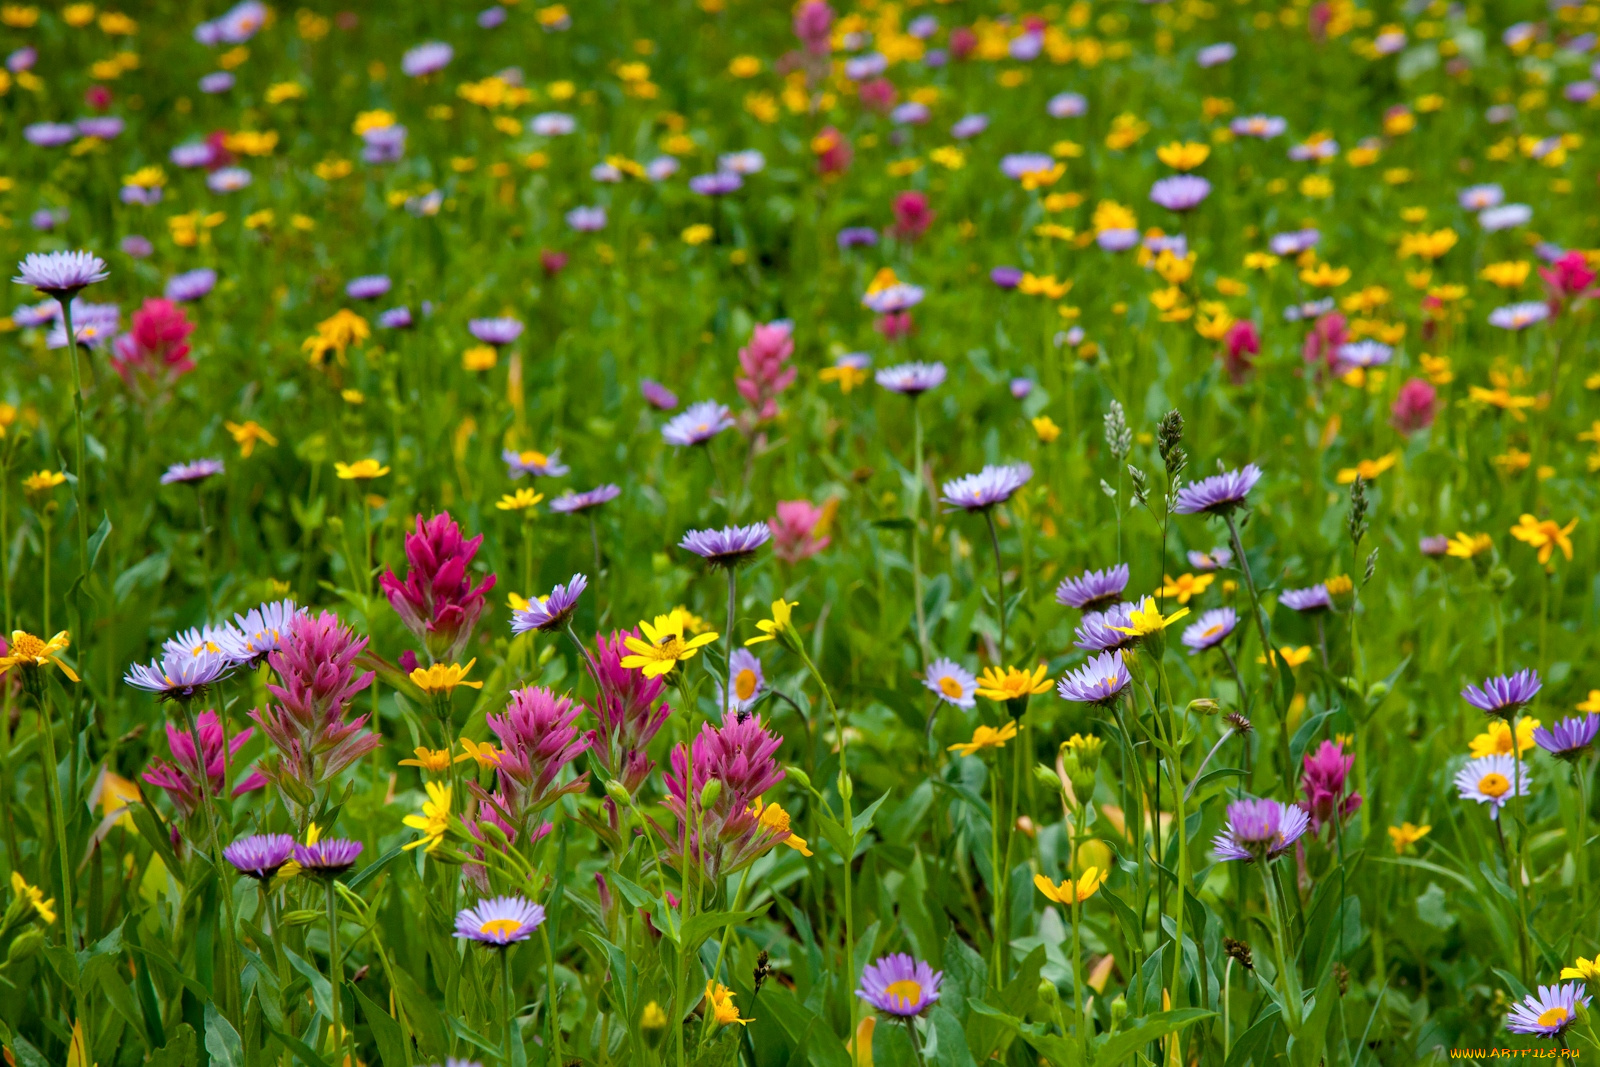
(81, 486)
(1522, 852)
(1288, 978)
(335, 975)
(727, 658)
(214, 854)
(916, 530)
(554, 1007)
(997, 891)
(505, 998)
(999, 583)
(1261, 631)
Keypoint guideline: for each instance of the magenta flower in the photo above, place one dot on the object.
(1324, 786)
(733, 834)
(813, 24)
(317, 680)
(181, 777)
(764, 363)
(1414, 406)
(538, 740)
(629, 707)
(437, 601)
(798, 530)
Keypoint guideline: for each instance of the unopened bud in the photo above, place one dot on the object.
(799, 777)
(1025, 826)
(1119, 1011)
(1048, 992)
(710, 792)
(1204, 706)
(618, 792)
(1046, 776)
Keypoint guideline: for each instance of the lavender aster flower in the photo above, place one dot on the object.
(500, 921)
(1067, 105)
(61, 274)
(951, 683)
(1006, 277)
(179, 675)
(427, 58)
(383, 144)
(728, 546)
(1015, 165)
(551, 612)
(1505, 217)
(900, 986)
(990, 486)
(1488, 780)
(396, 318)
(552, 124)
(748, 682)
(1259, 829)
(1218, 494)
(260, 631)
(746, 161)
(1481, 197)
(587, 219)
(1307, 601)
(327, 858)
(218, 81)
(495, 332)
(1210, 629)
(1569, 738)
(260, 855)
(1101, 631)
(1434, 546)
(228, 180)
(1505, 694)
(94, 325)
(191, 285)
(1550, 1013)
(969, 126)
(1519, 316)
(192, 155)
(1210, 561)
(698, 424)
(49, 134)
(912, 379)
(902, 296)
(658, 396)
(136, 246)
(719, 183)
(101, 127)
(1181, 192)
(1366, 353)
(857, 237)
(1093, 590)
(1262, 127)
(570, 503)
(1293, 242)
(535, 463)
(192, 473)
(1099, 681)
(1215, 55)
(1117, 239)
(368, 287)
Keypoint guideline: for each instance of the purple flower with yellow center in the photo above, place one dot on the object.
(698, 424)
(550, 612)
(260, 856)
(1015, 165)
(1099, 681)
(192, 473)
(1210, 629)
(1210, 561)
(969, 126)
(990, 486)
(180, 675)
(951, 683)
(1307, 601)
(396, 318)
(748, 682)
(1365, 354)
(1181, 192)
(1434, 546)
(497, 332)
(1550, 1013)
(1519, 316)
(218, 81)
(1093, 590)
(900, 986)
(587, 219)
(1006, 277)
(570, 503)
(49, 134)
(327, 858)
(93, 325)
(729, 546)
(1101, 631)
(535, 463)
(426, 58)
(61, 274)
(260, 631)
(500, 921)
(1067, 106)
(1219, 494)
(1213, 55)
(1569, 738)
(1259, 830)
(893, 299)
(1505, 694)
(228, 180)
(1489, 780)
(719, 183)
(911, 379)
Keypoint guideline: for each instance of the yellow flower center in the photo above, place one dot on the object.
(1212, 631)
(1554, 1016)
(1494, 785)
(907, 989)
(26, 646)
(745, 684)
(500, 927)
(950, 687)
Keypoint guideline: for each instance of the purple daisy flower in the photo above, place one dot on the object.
(744, 161)
(658, 396)
(491, 17)
(1215, 55)
(900, 986)
(495, 332)
(1488, 780)
(1218, 494)
(902, 296)
(728, 546)
(1505, 217)
(587, 219)
(570, 503)
(328, 858)
(49, 134)
(1519, 316)
(260, 631)
(228, 180)
(1504, 694)
(260, 855)
(218, 81)
(1366, 353)
(912, 379)
(857, 237)
(698, 424)
(102, 127)
(1434, 546)
(552, 124)
(1481, 197)
(192, 155)
(1259, 829)
(1550, 1013)
(1006, 277)
(1099, 681)
(179, 675)
(1569, 738)
(368, 287)
(969, 126)
(719, 183)
(550, 612)
(1015, 165)
(951, 683)
(1210, 629)
(1307, 601)
(1067, 105)
(137, 246)
(1102, 631)
(1117, 239)
(1293, 242)
(192, 473)
(384, 144)
(1093, 590)
(396, 318)
(535, 463)
(61, 274)
(93, 325)
(190, 285)
(427, 58)
(1181, 192)
(1210, 561)
(500, 921)
(990, 486)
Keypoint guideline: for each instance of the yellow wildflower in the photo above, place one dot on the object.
(1585, 970)
(1546, 535)
(775, 819)
(1046, 429)
(719, 998)
(43, 481)
(1465, 545)
(432, 760)
(45, 909)
(29, 651)
(664, 647)
(1367, 469)
(1509, 274)
(521, 500)
(1186, 586)
(443, 677)
(1070, 892)
(770, 628)
(1496, 740)
(1147, 619)
(1407, 834)
(1185, 155)
(247, 434)
(434, 822)
(1012, 683)
(485, 755)
(986, 737)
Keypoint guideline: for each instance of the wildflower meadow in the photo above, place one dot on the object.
(851, 533)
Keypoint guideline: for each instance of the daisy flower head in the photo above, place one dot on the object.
(1550, 1012)
(550, 612)
(499, 921)
(570, 503)
(1307, 601)
(260, 856)
(1101, 631)
(1219, 494)
(192, 473)
(497, 332)
(33, 653)
(729, 546)
(911, 379)
(748, 682)
(663, 646)
(1491, 780)
(900, 986)
(1099, 681)
(61, 274)
(1569, 738)
(1013, 683)
(1210, 629)
(180, 675)
(535, 463)
(1505, 694)
(1260, 830)
(986, 737)
(1216, 559)
(990, 486)
(1070, 892)
(951, 683)
(259, 631)
(1519, 316)
(697, 424)
(1093, 590)
(327, 857)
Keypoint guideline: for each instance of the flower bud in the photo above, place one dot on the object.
(26, 945)
(1119, 1011)
(1025, 826)
(710, 792)
(1204, 706)
(652, 1023)
(799, 777)
(1048, 993)
(1046, 776)
(618, 792)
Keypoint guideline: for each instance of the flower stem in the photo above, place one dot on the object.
(727, 659)
(916, 529)
(505, 997)
(81, 486)
(1000, 583)
(335, 976)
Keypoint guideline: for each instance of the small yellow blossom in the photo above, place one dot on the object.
(1407, 834)
(698, 234)
(1070, 892)
(1546, 535)
(443, 677)
(1183, 155)
(43, 481)
(479, 358)
(1186, 586)
(1367, 469)
(719, 998)
(434, 822)
(521, 500)
(1496, 740)
(1046, 429)
(362, 470)
(1510, 274)
(29, 651)
(1294, 657)
(1465, 545)
(770, 628)
(486, 756)
(248, 434)
(45, 909)
(1147, 619)
(1584, 970)
(1013, 683)
(663, 646)
(776, 820)
(986, 737)
(432, 760)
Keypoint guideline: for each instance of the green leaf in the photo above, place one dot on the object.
(181, 1050)
(222, 1040)
(321, 989)
(952, 1050)
(97, 540)
(1151, 1028)
(862, 822)
(148, 823)
(811, 1036)
(301, 1051)
(385, 1031)
(373, 869)
(701, 926)
(1255, 1040)
(27, 1055)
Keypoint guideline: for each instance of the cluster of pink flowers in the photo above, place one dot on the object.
(630, 711)
(1324, 784)
(764, 362)
(799, 529)
(181, 777)
(912, 215)
(538, 739)
(1323, 342)
(730, 836)
(1414, 406)
(437, 600)
(154, 354)
(1241, 342)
